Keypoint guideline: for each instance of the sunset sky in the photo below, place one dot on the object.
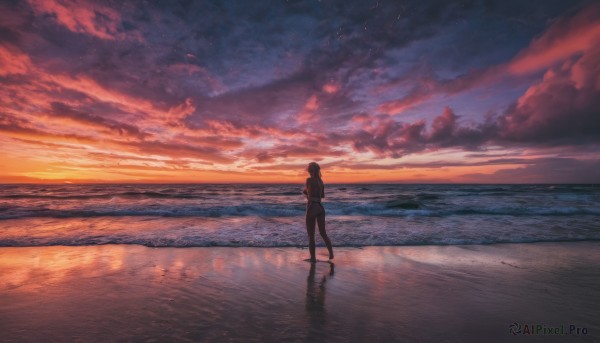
(251, 91)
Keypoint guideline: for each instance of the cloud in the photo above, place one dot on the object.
(564, 108)
(565, 38)
(415, 97)
(429, 164)
(13, 62)
(543, 170)
(444, 126)
(561, 109)
(387, 137)
(280, 82)
(81, 16)
(178, 150)
(307, 113)
(61, 110)
(19, 128)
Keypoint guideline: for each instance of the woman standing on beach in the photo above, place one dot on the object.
(315, 191)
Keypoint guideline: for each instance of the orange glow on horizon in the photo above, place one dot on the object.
(36, 172)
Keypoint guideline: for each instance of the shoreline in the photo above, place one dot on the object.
(318, 245)
(447, 293)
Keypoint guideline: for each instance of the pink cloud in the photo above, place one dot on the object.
(13, 62)
(331, 88)
(81, 16)
(307, 114)
(561, 109)
(18, 128)
(150, 114)
(565, 38)
(399, 106)
(99, 117)
(443, 126)
(384, 136)
(59, 110)
(563, 106)
(178, 113)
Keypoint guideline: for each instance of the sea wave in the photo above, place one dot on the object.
(125, 195)
(275, 210)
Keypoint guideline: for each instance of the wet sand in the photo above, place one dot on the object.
(423, 293)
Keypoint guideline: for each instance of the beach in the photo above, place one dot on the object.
(134, 293)
(164, 166)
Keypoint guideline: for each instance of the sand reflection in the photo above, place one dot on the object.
(315, 301)
(27, 266)
(378, 294)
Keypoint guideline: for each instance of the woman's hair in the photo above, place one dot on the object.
(314, 170)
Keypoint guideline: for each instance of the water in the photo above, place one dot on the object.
(273, 215)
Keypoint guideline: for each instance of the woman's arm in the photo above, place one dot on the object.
(322, 187)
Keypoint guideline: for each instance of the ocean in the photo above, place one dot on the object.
(272, 215)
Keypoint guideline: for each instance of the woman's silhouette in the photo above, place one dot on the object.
(315, 191)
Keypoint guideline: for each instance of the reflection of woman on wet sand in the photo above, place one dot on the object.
(315, 293)
(315, 212)
(318, 330)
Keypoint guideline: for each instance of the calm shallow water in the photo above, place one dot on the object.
(272, 215)
(405, 294)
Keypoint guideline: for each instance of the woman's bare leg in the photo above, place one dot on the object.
(310, 230)
(321, 223)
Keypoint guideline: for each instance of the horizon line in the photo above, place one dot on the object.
(290, 183)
